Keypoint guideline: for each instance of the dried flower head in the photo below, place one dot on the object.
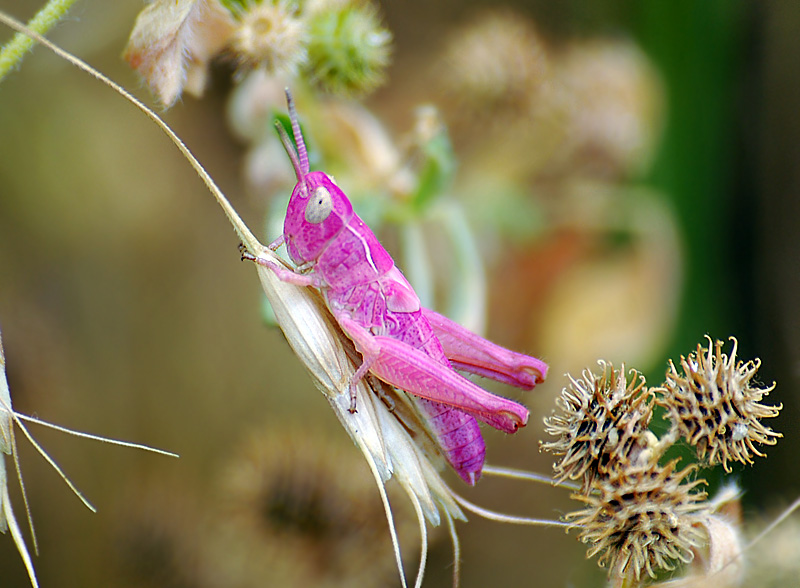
(173, 42)
(496, 62)
(348, 49)
(642, 519)
(270, 35)
(714, 405)
(613, 104)
(602, 424)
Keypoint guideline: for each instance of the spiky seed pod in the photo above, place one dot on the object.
(714, 405)
(642, 519)
(348, 49)
(602, 424)
(270, 35)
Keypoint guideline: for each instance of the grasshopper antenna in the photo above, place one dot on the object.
(302, 152)
(296, 150)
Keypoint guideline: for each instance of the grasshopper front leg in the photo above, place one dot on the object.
(412, 370)
(283, 274)
(474, 354)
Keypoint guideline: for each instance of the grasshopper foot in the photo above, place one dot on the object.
(246, 255)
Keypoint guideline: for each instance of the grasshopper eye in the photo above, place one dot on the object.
(320, 205)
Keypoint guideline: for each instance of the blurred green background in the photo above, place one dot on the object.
(125, 310)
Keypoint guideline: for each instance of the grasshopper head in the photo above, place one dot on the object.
(318, 209)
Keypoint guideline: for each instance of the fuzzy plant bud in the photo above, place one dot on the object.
(714, 403)
(348, 49)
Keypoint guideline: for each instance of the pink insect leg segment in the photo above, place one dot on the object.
(284, 274)
(476, 355)
(276, 243)
(412, 370)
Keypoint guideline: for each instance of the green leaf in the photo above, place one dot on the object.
(438, 170)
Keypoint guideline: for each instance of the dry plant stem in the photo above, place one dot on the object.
(75, 433)
(13, 52)
(8, 444)
(18, 418)
(49, 459)
(784, 515)
(8, 514)
(390, 520)
(504, 518)
(451, 526)
(530, 476)
(8, 441)
(423, 557)
(16, 534)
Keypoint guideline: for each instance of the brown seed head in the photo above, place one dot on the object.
(641, 519)
(601, 425)
(714, 405)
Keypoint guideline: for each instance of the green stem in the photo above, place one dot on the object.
(15, 50)
(467, 302)
(417, 261)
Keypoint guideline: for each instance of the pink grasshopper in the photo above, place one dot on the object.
(402, 343)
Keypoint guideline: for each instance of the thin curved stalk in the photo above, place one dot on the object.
(531, 476)
(504, 518)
